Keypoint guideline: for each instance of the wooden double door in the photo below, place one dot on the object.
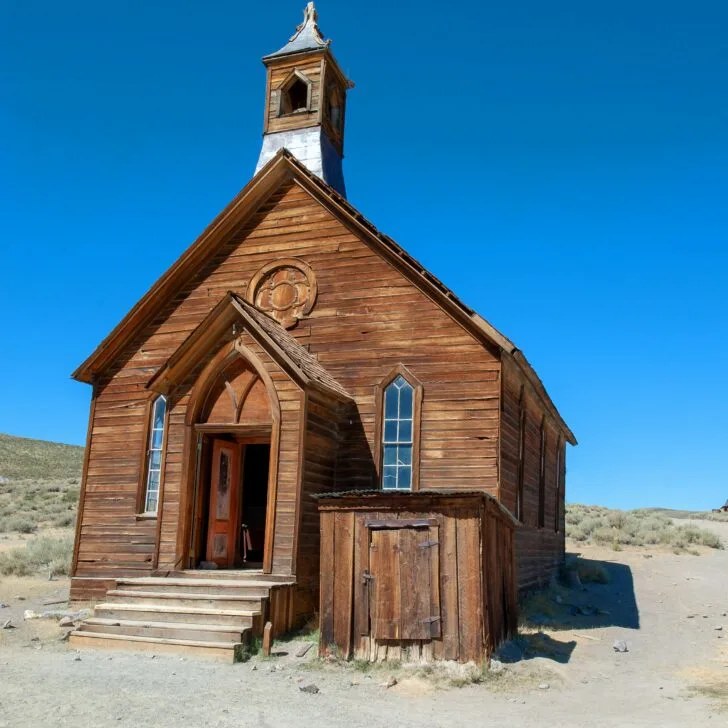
(238, 503)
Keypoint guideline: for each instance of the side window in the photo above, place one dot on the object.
(154, 455)
(400, 404)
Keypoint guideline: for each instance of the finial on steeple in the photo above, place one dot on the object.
(308, 35)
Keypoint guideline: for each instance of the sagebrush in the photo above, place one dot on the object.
(49, 555)
(29, 505)
(604, 526)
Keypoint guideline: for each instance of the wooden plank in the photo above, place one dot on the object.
(448, 648)
(470, 627)
(384, 558)
(267, 638)
(434, 565)
(362, 577)
(343, 582)
(415, 590)
(326, 605)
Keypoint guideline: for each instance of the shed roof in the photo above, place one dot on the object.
(409, 498)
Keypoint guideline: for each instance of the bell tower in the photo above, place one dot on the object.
(305, 104)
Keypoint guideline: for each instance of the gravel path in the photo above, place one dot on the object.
(666, 607)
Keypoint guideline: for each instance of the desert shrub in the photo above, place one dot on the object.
(45, 554)
(599, 525)
(65, 520)
(18, 524)
(590, 572)
(71, 495)
(37, 504)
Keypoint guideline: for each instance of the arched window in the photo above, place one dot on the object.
(400, 431)
(154, 455)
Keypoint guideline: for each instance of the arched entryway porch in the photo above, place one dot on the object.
(233, 420)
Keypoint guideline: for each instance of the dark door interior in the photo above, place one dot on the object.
(255, 504)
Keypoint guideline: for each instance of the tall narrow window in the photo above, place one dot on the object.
(542, 479)
(398, 435)
(559, 484)
(154, 455)
(520, 510)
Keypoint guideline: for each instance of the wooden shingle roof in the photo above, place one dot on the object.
(293, 358)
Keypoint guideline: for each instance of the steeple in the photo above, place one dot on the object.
(306, 102)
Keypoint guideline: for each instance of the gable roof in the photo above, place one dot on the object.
(285, 167)
(295, 360)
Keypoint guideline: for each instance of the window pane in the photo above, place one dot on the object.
(391, 399)
(390, 455)
(155, 460)
(156, 439)
(159, 407)
(153, 480)
(405, 431)
(400, 381)
(405, 403)
(390, 431)
(405, 478)
(151, 504)
(389, 479)
(404, 455)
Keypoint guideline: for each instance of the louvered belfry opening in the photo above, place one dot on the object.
(416, 576)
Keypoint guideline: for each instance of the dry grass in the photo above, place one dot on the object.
(31, 505)
(22, 458)
(691, 515)
(606, 527)
(50, 555)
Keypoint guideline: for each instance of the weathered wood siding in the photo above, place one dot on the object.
(277, 76)
(539, 548)
(368, 318)
(458, 581)
(320, 445)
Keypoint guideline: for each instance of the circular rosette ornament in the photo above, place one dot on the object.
(285, 289)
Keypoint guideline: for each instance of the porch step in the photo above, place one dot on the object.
(166, 630)
(233, 575)
(257, 589)
(244, 619)
(188, 612)
(185, 599)
(227, 651)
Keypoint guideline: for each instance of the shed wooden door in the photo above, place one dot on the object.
(222, 531)
(405, 571)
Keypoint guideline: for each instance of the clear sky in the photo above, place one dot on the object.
(563, 166)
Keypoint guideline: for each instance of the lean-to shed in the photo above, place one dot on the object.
(416, 576)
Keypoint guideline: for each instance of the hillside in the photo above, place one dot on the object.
(25, 459)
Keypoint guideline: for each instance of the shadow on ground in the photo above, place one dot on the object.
(588, 594)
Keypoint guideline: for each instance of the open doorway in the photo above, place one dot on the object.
(234, 503)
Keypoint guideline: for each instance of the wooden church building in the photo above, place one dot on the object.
(298, 418)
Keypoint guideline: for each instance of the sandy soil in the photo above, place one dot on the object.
(666, 607)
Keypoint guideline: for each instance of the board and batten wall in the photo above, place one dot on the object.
(422, 576)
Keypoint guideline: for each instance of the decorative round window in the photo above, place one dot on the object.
(285, 289)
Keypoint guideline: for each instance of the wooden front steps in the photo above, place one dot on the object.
(209, 614)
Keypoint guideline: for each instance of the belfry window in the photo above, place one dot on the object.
(398, 435)
(295, 95)
(154, 455)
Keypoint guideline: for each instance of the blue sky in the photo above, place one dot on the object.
(562, 166)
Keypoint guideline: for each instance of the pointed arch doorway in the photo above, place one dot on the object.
(234, 415)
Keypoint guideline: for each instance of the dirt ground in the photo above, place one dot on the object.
(666, 607)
